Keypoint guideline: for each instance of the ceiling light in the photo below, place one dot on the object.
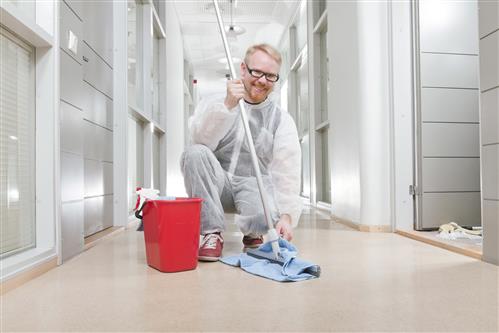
(234, 30)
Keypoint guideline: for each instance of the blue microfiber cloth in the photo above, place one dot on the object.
(294, 269)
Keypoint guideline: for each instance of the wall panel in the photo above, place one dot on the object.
(71, 129)
(71, 83)
(96, 72)
(97, 107)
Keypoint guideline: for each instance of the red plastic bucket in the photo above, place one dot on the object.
(171, 233)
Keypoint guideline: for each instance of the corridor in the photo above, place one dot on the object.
(370, 282)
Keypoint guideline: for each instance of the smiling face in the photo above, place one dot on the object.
(257, 89)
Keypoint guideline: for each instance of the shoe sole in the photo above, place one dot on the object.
(209, 259)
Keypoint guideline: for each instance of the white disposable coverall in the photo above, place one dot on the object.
(218, 167)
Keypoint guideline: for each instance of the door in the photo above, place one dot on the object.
(447, 150)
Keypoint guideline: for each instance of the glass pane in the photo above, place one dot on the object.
(285, 65)
(156, 5)
(322, 7)
(155, 80)
(303, 93)
(305, 152)
(324, 76)
(135, 160)
(326, 180)
(132, 54)
(301, 27)
(155, 159)
(284, 96)
(318, 8)
(17, 145)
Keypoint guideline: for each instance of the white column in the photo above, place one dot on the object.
(120, 114)
(147, 36)
(359, 112)
(374, 114)
(175, 97)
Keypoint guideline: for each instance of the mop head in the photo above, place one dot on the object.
(262, 262)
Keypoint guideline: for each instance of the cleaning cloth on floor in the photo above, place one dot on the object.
(454, 231)
(294, 269)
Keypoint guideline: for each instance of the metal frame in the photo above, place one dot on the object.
(318, 126)
(418, 173)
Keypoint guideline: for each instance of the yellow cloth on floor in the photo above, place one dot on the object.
(453, 226)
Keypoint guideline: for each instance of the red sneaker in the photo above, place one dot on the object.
(211, 247)
(252, 242)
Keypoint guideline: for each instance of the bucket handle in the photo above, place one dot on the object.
(138, 211)
(140, 217)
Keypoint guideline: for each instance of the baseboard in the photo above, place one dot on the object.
(323, 206)
(92, 240)
(441, 244)
(362, 227)
(21, 278)
(347, 223)
(375, 228)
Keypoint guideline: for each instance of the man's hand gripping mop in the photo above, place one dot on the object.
(263, 252)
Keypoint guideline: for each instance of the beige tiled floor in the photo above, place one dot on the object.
(370, 282)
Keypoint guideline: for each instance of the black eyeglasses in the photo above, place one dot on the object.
(258, 74)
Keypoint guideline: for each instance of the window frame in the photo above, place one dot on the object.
(31, 111)
(42, 34)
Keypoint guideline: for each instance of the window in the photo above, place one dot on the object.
(301, 26)
(17, 145)
(156, 137)
(135, 160)
(324, 75)
(155, 79)
(305, 168)
(303, 122)
(133, 73)
(323, 179)
(284, 96)
(303, 106)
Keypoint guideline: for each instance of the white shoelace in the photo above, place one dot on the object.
(210, 241)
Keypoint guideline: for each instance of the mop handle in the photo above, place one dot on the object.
(249, 138)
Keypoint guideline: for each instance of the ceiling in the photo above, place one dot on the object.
(264, 20)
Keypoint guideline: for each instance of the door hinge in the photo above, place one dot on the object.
(413, 190)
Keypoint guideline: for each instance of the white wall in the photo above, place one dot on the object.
(120, 118)
(174, 102)
(344, 110)
(360, 112)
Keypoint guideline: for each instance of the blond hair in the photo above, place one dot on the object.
(271, 51)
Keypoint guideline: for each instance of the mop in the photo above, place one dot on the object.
(276, 251)
(272, 234)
